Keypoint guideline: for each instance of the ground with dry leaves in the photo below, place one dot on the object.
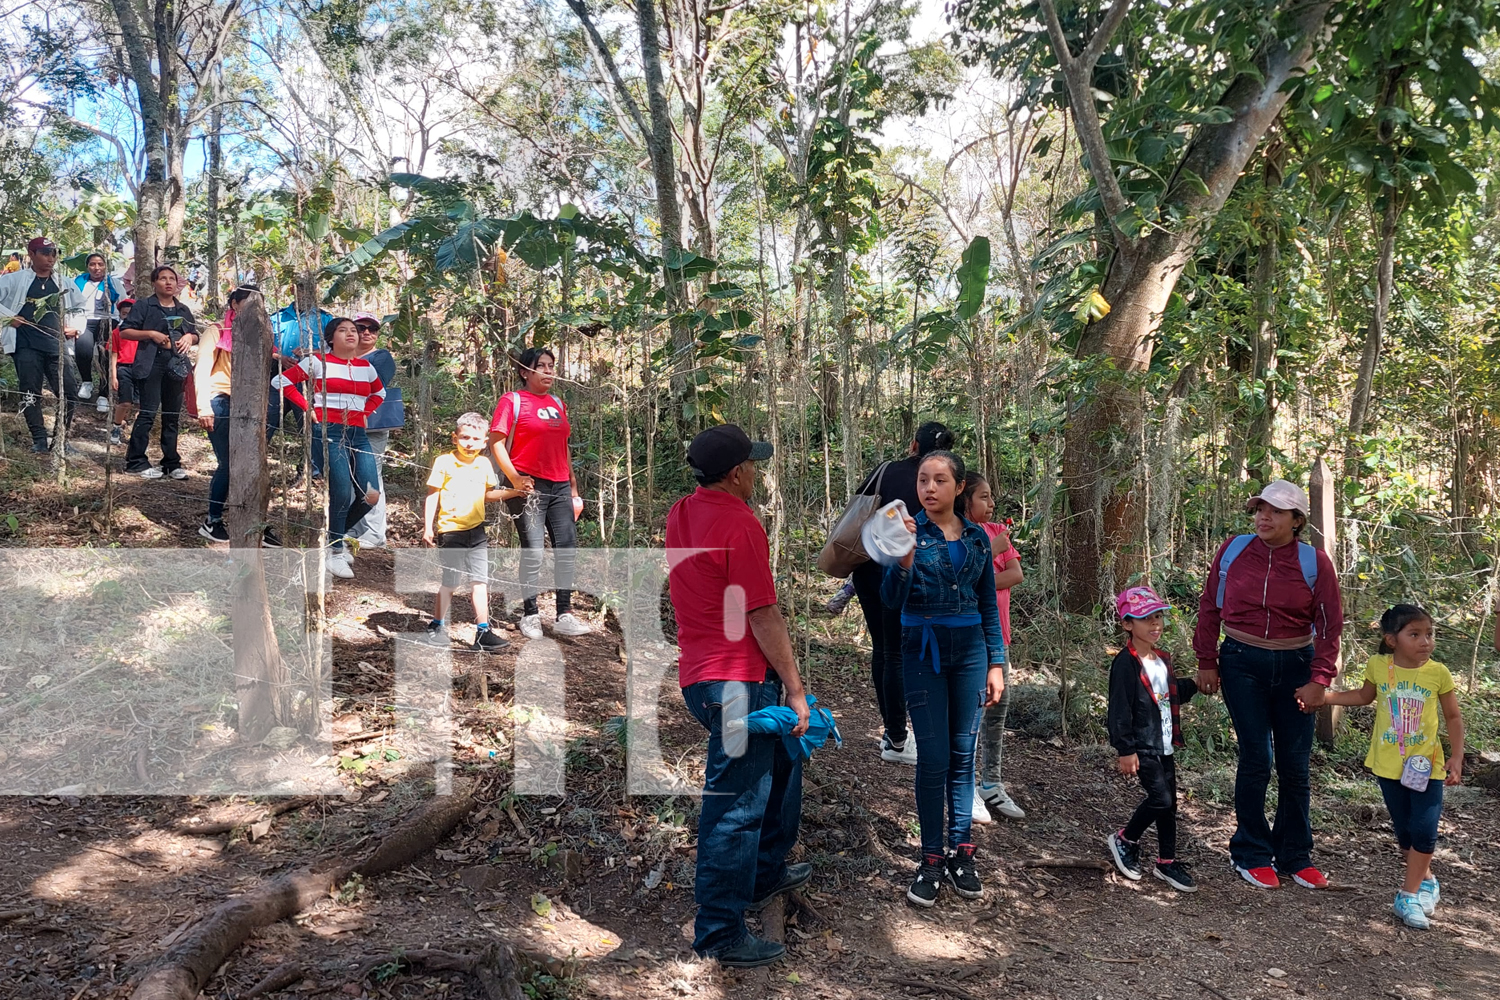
(597, 885)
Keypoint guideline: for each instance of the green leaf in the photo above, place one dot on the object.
(973, 277)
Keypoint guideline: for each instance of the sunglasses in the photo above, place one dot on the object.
(365, 328)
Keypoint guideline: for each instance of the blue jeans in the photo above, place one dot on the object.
(1259, 688)
(1414, 815)
(347, 446)
(218, 486)
(752, 810)
(945, 711)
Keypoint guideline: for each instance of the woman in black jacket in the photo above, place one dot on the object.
(1144, 696)
(893, 481)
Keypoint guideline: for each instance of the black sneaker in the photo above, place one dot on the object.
(924, 888)
(750, 953)
(268, 539)
(436, 634)
(1127, 856)
(796, 877)
(487, 641)
(214, 531)
(1175, 874)
(962, 874)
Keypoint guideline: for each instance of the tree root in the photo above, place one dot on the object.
(279, 979)
(497, 967)
(189, 963)
(246, 820)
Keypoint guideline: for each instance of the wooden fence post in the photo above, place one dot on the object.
(1324, 534)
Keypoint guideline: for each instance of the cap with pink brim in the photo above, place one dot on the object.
(1139, 602)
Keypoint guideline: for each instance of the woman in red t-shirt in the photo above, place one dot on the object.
(529, 439)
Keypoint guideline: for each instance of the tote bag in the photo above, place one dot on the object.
(844, 550)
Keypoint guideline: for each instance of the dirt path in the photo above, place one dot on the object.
(603, 882)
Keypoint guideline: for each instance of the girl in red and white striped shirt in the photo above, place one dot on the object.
(345, 391)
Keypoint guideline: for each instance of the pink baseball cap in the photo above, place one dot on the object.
(1139, 602)
(364, 317)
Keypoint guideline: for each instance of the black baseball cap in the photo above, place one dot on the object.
(719, 449)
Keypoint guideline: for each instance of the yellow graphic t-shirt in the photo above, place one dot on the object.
(1406, 713)
(462, 486)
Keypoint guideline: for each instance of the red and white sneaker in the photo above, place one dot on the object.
(1261, 878)
(1310, 878)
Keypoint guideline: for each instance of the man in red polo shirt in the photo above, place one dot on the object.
(735, 658)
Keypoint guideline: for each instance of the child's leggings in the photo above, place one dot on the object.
(992, 735)
(1158, 776)
(1414, 815)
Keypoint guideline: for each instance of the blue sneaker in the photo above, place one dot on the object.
(1429, 895)
(1408, 910)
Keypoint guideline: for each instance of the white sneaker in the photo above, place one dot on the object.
(103, 405)
(904, 754)
(531, 626)
(86, 390)
(1000, 801)
(980, 814)
(150, 472)
(338, 565)
(179, 473)
(566, 624)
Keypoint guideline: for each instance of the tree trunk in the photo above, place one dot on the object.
(1359, 406)
(215, 169)
(1101, 448)
(1260, 428)
(150, 203)
(669, 213)
(262, 683)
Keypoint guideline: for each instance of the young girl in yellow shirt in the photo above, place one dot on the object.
(1406, 755)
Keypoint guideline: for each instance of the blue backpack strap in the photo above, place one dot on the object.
(1231, 553)
(1308, 557)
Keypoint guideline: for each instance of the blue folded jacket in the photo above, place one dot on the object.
(778, 720)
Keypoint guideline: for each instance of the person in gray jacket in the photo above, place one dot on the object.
(35, 310)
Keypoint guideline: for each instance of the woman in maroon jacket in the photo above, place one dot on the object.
(1277, 600)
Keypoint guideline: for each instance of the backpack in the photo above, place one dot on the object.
(1306, 555)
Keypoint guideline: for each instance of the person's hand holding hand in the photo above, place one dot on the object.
(1455, 771)
(1129, 763)
(1311, 696)
(910, 523)
(1208, 680)
(994, 688)
(205, 420)
(70, 333)
(798, 703)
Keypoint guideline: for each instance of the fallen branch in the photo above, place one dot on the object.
(186, 967)
(1215, 992)
(244, 820)
(280, 978)
(496, 967)
(8, 915)
(952, 991)
(1088, 863)
(30, 703)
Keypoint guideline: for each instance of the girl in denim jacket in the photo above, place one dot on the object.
(952, 659)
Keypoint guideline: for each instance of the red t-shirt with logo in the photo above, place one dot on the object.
(719, 566)
(539, 446)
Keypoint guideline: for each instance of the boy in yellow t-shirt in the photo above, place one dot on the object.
(460, 484)
(1408, 686)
